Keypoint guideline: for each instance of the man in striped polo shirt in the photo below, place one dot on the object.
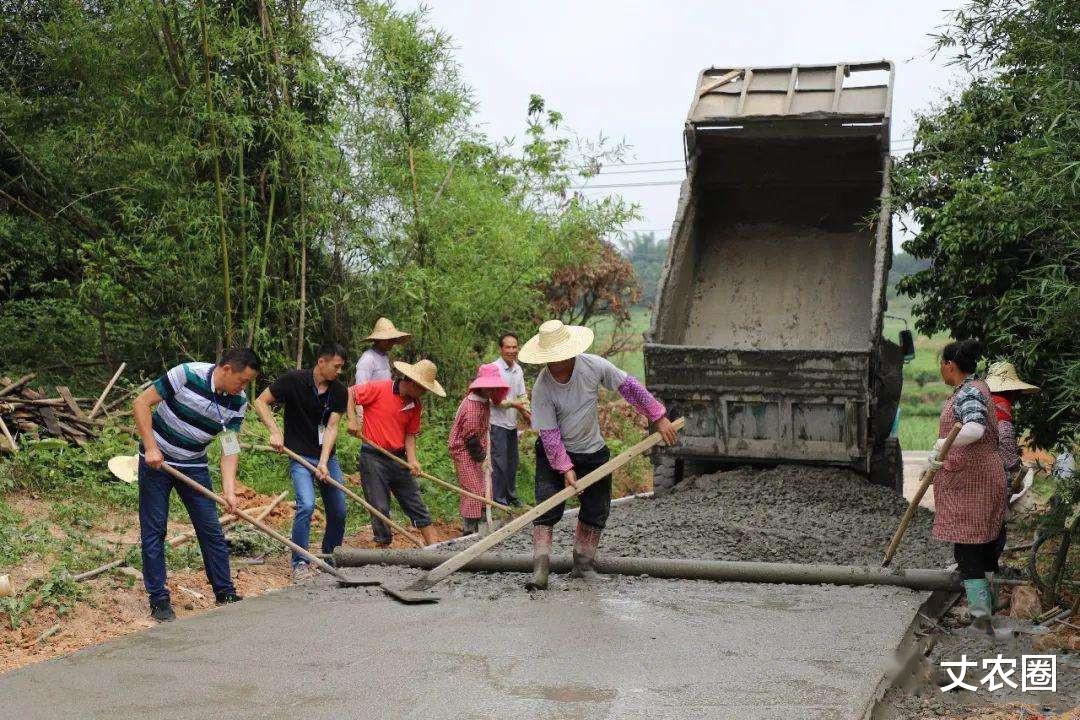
(177, 417)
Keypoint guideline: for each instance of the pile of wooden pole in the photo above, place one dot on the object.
(24, 410)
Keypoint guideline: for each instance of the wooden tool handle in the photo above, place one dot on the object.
(924, 484)
(443, 483)
(258, 524)
(348, 491)
(455, 563)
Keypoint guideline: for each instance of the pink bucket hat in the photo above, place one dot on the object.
(489, 377)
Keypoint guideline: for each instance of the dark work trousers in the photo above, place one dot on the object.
(380, 477)
(595, 501)
(974, 561)
(504, 464)
(154, 489)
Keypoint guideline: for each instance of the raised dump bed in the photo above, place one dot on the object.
(766, 333)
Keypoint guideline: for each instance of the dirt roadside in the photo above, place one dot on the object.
(114, 603)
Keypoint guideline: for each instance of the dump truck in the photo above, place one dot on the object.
(766, 333)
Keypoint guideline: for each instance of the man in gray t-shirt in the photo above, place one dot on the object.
(565, 412)
(573, 407)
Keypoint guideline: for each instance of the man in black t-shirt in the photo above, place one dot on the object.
(314, 401)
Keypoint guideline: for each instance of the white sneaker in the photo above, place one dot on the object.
(302, 573)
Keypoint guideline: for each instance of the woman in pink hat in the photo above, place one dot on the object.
(469, 439)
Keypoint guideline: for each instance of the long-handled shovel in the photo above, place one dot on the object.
(449, 486)
(343, 580)
(414, 593)
(924, 483)
(374, 511)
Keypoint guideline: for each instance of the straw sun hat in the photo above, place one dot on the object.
(556, 342)
(385, 330)
(423, 374)
(1002, 377)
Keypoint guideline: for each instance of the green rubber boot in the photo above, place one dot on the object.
(979, 607)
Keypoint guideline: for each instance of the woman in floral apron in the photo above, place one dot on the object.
(969, 488)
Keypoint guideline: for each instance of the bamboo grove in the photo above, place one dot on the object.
(177, 176)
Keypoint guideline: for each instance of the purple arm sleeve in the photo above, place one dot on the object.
(1007, 447)
(555, 450)
(642, 400)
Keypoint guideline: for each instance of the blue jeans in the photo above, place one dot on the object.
(333, 501)
(154, 489)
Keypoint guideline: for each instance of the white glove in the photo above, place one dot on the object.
(932, 460)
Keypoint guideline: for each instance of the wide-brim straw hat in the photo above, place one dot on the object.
(556, 342)
(489, 377)
(1002, 377)
(423, 374)
(125, 467)
(385, 330)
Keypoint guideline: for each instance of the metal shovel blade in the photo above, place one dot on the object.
(346, 581)
(411, 597)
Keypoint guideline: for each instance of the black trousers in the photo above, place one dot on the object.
(974, 561)
(504, 464)
(595, 501)
(380, 478)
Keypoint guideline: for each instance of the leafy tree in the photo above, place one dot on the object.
(992, 183)
(176, 177)
(647, 254)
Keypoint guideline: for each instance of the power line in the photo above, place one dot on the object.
(682, 161)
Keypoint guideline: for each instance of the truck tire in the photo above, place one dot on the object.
(887, 465)
(667, 471)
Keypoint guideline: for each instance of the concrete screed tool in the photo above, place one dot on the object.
(924, 484)
(372, 510)
(415, 593)
(342, 579)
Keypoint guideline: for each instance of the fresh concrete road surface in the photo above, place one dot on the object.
(634, 648)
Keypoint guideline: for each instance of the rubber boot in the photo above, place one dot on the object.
(469, 525)
(429, 535)
(541, 558)
(996, 602)
(978, 597)
(586, 540)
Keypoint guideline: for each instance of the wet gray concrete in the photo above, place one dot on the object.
(633, 647)
(656, 649)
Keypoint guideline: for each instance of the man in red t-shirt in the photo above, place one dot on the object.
(392, 411)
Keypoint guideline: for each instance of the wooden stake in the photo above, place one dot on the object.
(8, 436)
(65, 393)
(101, 399)
(12, 387)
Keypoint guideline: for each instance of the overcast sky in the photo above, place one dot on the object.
(627, 69)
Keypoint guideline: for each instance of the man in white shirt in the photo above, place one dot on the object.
(504, 422)
(374, 363)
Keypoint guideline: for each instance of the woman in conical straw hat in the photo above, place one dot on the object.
(469, 439)
(392, 413)
(374, 363)
(565, 412)
(1006, 387)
